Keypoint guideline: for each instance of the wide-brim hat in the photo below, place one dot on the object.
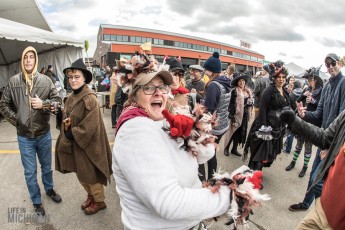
(80, 65)
(145, 77)
(316, 77)
(238, 77)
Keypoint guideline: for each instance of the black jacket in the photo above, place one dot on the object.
(331, 138)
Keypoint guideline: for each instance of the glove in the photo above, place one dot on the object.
(287, 115)
(69, 134)
(180, 125)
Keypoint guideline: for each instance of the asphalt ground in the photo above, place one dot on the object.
(285, 188)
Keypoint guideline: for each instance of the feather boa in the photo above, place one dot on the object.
(245, 185)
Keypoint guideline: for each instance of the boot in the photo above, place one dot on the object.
(226, 149)
(95, 207)
(87, 202)
(304, 169)
(234, 147)
(291, 166)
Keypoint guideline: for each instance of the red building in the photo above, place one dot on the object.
(114, 42)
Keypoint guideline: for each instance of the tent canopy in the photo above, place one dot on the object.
(294, 69)
(24, 11)
(15, 37)
(53, 49)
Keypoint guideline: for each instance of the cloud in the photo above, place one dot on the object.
(331, 42)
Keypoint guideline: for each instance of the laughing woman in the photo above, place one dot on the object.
(157, 181)
(266, 134)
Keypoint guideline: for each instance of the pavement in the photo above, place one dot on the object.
(285, 188)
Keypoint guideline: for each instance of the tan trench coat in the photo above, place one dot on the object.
(88, 154)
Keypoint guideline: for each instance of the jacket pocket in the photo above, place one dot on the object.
(64, 145)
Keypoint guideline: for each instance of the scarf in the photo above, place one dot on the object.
(128, 113)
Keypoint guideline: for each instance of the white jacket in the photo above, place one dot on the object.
(158, 182)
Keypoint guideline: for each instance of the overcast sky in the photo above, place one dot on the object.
(296, 31)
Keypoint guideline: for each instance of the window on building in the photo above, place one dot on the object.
(106, 37)
(155, 41)
(113, 37)
(189, 46)
(160, 42)
(125, 38)
(143, 40)
(138, 39)
(176, 44)
(132, 39)
(228, 52)
(168, 43)
(119, 38)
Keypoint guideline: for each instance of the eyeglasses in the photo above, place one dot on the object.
(151, 89)
(333, 63)
(178, 74)
(70, 78)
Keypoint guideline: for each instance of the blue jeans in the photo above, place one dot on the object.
(316, 191)
(288, 142)
(28, 147)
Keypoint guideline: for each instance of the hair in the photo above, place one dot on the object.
(230, 70)
(43, 70)
(213, 76)
(70, 71)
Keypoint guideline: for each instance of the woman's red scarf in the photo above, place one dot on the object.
(180, 90)
(128, 113)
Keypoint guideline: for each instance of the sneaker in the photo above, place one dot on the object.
(298, 207)
(39, 209)
(54, 196)
(285, 151)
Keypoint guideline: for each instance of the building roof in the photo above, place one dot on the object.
(24, 11)
(173, 34)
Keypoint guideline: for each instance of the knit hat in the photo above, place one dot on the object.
(213, 63)
(175, 65)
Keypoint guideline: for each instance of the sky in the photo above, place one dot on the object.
(298, 31)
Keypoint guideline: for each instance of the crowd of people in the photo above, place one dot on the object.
(169, 121)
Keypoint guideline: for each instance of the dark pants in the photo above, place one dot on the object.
(119, 108)
(113, 115)
(316, 191)
(211, 164)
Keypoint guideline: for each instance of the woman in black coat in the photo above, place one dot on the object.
(265, 139)
(310, 98)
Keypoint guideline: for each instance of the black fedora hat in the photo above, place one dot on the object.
(239, 76)
(80, 65)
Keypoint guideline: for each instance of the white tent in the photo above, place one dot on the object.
(294, 69)
(53, 49)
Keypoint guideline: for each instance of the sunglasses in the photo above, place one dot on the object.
(333, 63)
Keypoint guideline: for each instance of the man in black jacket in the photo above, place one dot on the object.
(26, 104)
(331, 104)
